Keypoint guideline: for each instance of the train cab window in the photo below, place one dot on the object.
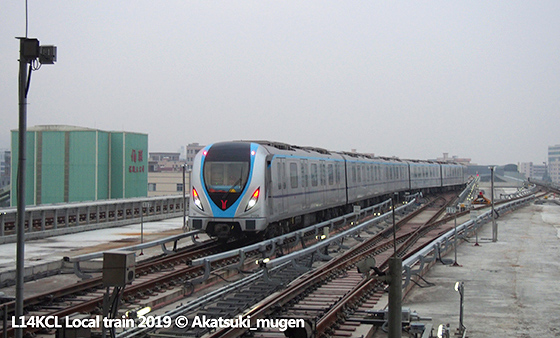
(225, 176)
(226, 168)
(331, 174)
(226, 171)
(314, 176)
(293, 175)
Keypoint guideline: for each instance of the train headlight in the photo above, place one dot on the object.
(253, 200)
(196, 199)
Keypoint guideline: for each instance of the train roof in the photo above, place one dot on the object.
(291, 147)
(285, 146)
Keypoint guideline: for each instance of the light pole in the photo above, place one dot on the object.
(146, 205)
(460, 287)
(184, 198)
(185, 226)
(453, 210)
(494, 225)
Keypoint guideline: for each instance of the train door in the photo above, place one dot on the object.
(282, 201)
(305, 183)
(323, 181)
(268, 186)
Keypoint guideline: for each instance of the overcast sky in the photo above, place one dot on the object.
(413, 79)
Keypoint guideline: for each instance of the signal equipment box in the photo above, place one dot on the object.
(118, 268)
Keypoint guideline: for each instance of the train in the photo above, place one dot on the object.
(265, 188)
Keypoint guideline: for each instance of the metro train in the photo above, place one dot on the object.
(267, 188)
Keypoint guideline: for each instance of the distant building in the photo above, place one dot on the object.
(554, 163)
(165, 176)
(531, 170)
(166, 183)
(446, 158)
(165, 162)
(72, 164)
(540, 171)
(192, 150)
(5, 167)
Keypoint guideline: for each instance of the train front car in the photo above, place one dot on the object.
(227, 189)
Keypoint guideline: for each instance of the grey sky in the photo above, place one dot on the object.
(478, 79)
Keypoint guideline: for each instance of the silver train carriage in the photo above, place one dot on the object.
(266, 187)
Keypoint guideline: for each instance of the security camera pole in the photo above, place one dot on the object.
(29, 52)
(395, 286)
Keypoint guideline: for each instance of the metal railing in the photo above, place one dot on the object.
(57, 219)
(268, 247)
(416, 263)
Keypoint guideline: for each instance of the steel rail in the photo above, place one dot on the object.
(377, 243)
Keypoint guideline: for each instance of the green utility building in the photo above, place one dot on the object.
(73, 164)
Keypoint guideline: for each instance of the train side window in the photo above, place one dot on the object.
(331, 174)
(323, 175)
(314, 178)
(293, 175)
(353, 173)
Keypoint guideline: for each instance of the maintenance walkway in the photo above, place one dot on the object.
(511, 286)
(45, 257)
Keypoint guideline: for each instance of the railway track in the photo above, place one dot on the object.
(152, 278)
(325, 297)
(173, 272)
(87, 296)
(334, 300)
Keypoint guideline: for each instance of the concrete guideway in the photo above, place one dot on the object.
(511, 286)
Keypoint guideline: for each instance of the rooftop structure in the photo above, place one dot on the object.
(554, 163)
(72, 164)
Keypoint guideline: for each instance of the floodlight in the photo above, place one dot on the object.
(144, 311)
(440, 331)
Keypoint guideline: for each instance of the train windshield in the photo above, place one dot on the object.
(225, 176)
(226, 172)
